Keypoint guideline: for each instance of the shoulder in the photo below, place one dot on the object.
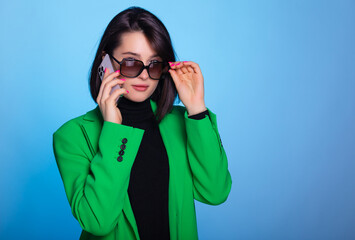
(70, 127)
(175, 116)
(73, 125)
(177, 112)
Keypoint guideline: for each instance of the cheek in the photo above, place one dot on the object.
(125, 84)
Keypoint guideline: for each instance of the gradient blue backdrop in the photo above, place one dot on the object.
(280, 75)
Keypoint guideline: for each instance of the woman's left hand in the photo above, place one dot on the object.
(188, 80)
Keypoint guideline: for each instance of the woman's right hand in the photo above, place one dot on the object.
(107, 102)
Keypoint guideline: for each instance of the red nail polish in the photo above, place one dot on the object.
(117, 71)
(127, 91)
(105, 69)
(178, 63)
(172, 64)
(123, 79)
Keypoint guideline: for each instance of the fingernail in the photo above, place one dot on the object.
(172, 64)
(117, 71)
(123, 79)
(178, 63)
(185, 61)
(105, 69)
(127, 91)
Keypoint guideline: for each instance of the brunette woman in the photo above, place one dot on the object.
(133, 166)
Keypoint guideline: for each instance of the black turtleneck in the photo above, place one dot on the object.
(149, 179)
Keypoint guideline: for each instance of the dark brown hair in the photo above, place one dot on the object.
(131, 20)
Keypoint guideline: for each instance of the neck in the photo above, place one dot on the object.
(135, 111)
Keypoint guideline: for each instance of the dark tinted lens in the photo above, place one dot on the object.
(155, 70)
(131, 68)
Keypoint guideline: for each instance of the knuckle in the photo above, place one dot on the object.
(119, 92)
(113, 81)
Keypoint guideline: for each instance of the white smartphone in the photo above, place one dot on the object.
(106, 63)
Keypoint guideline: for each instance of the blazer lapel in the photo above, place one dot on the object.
(91, 127)
(176, 170)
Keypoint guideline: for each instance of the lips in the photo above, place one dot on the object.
(140, 87)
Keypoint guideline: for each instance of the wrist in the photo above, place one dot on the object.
(195, 110)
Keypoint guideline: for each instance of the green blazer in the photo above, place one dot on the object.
(86, 151)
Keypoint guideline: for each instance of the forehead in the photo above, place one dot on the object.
(135, 42)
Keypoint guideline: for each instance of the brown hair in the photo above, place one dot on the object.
(131, 20)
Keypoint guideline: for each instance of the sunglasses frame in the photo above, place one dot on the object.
(143, 67)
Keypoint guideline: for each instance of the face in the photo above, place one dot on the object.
(135, 45)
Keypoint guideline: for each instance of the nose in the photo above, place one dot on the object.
(144, 74)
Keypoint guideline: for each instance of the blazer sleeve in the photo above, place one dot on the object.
(208, 161)
(96, 187)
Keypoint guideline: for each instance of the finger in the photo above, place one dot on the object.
(184, 69)
(107, 91)
(108, 87)
(178, 71)
(190, 70)
(112, 99)
(110, 76)
(180, 65)
(194, 66)
(174, 65)
(121, 81)
(107, 77)
(106, 74)
(175, 77)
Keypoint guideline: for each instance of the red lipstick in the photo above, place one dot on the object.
(140, 87)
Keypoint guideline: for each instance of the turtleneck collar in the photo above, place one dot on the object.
(135, 111)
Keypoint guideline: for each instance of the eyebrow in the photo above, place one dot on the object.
(138, 55)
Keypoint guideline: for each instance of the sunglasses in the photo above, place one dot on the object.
(131, 68)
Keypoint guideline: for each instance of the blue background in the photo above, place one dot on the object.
(280, 75)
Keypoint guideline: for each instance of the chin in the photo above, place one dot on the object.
(137, 97)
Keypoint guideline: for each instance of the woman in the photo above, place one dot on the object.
(132, 167)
